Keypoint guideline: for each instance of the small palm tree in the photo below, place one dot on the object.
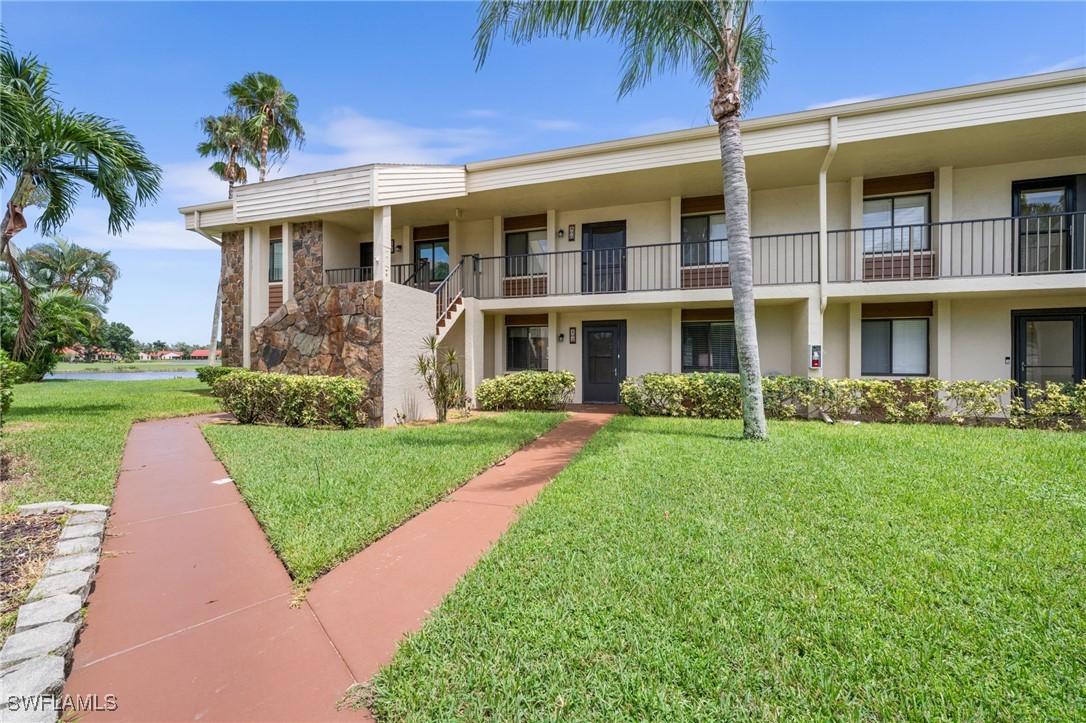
(63, 317)
(61, 264)
(48, 153)
(225, 140)
(439, 370)
(724, 43)
(269, 115)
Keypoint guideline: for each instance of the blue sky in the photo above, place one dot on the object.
(396, 82)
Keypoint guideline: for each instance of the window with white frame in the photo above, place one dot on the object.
(894, 347)
(524, 253)
(525, 348)
(709, 346)
(896, 223)
(704, 240)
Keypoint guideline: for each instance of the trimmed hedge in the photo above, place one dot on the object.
(10, 375)
(912, 400)
(293, 400)
(209, 375)
(527, 391)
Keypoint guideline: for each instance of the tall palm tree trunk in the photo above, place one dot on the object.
(741, 273)
(12, 224)
(263, 152)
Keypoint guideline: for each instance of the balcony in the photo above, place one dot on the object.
(416, 275)
(1012, 246)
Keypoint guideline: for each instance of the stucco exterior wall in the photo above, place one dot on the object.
(985, 191)
(340, 247)
(408, 318)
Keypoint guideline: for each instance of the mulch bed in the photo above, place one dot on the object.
(26, 544)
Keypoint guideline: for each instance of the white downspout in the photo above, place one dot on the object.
(823, 219)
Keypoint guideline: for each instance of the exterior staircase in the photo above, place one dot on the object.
(446, 320)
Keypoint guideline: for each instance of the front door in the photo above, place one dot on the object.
(604, 344)
(1049, 346)
(365, 260)
(603, 260)
(1042, 209)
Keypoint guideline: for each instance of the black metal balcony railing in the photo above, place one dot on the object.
(414, 274)
(1012, 246)
(777, 259)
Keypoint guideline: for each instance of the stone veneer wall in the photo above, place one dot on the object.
(307, 250)
(333, 330)
(233, 298)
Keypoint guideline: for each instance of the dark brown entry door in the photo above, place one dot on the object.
(603, 260)
(1049, 346)
(604, 344)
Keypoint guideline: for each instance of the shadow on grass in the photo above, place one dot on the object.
(74, 409)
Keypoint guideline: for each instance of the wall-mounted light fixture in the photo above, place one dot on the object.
(561, 234)
(572, 232)
(399, 248)
(561, 338)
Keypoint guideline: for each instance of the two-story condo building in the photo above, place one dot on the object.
(932, 234)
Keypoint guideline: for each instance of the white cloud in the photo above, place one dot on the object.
(88, 227)
(1076, 61)
(555, 124)
(843, 101)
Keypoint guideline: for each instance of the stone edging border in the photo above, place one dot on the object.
(34, 660)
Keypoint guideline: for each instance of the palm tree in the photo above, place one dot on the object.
(48, 153)
(724, 43)
(61, 264)
(269, 114)
(63, 318)
(227, 142)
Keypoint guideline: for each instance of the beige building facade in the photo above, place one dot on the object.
(936, 234)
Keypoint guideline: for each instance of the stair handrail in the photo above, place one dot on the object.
(449, 290)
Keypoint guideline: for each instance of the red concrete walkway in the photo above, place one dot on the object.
(190, 617)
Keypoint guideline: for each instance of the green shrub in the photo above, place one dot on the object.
(527, 390)
(293, 400)
(913, 400)
(8, 371)
(209, 375)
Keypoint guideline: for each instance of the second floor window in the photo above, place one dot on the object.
(522, 249)
(275, 260)
(709, 346)
(891, 223)
(705, 240)
(436, 254)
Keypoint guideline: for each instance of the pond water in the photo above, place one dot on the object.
(124, 376)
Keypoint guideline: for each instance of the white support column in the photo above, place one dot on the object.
(855, 328)
(406, 255)
(382, 243)
(806, 330)
(288, 263)
(856, 220)
(474, 345)
(941, 357)
(944, 182)
(673, 279)
(454, 243)
(676, 340)
(247, 297)
(552, 341)
(499, 345)
(499, 236)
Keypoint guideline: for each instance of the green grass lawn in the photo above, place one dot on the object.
(147, 366)
(323, 495)
(673, 572)
(63, 440)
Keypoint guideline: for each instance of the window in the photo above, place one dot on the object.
(705, 240)
(525, 348)
(275, 260)
(436, 253)
(709, 347)
(890, 223)
(894, 347)
(521, 248)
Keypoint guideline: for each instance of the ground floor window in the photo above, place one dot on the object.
(525, 348)
(709, 346)
(894, 347)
